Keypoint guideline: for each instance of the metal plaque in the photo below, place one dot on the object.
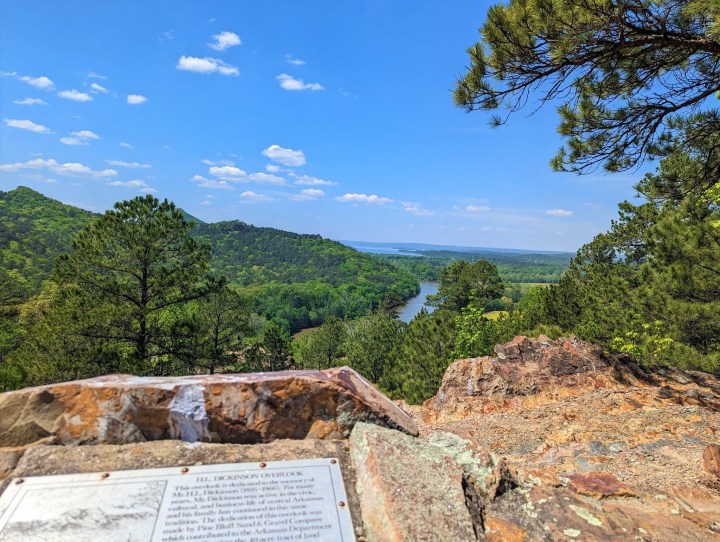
(239, 502)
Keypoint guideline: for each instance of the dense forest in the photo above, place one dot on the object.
(513, 267)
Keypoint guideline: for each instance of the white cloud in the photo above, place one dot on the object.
(126, 145)
(69, 169)
(148, 190)
(416, 209)
(272, 168)
(288, 82)
(236, 175)
(493, 228)
(287, 157)
(206, 65)
(205, 202)
(364, 198)
(28, 125)
(136, 99)
(85, 134)
(131, 165)
(212, 183)
(93, 75)
(306, 180)
(99, 88)
(79, 138)
(558, 212)
(218, 162)
(477, 208)
(251, 196)
(224, 40)
(30, 101)
(74, 141)
(75, 95)
(294, 61)
(129, 184)
(39, 82)
(308, 194)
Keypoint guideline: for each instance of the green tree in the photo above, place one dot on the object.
(373, 344)
(634, 78)
(139, 262)
(222, 322)
(424, 356)
(462, 283)
(322, 348)
(271, 352)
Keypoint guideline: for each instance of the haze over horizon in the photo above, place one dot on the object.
(312, 117)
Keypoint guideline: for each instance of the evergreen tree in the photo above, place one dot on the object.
(424, 356)
(222, 323)
(322, 348)
(373, 344)
(272, 352)
(140, 264)
(634, 78)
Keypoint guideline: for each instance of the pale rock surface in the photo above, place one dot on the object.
(409, 490)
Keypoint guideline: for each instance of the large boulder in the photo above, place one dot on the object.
(226, 408)
(526, 372)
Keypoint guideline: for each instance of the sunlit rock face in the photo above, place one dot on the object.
(525, 373)
(546, 440)
(228, 408)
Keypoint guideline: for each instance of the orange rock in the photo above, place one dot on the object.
(499, 530)
(598, 485)
(711, 459)
(231, 408)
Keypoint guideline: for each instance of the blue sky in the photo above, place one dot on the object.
(316, 116)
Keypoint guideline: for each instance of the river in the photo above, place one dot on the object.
(413, 306)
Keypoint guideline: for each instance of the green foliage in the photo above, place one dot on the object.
(373, 344)
(299, 281)
(34, 230)
(221, 322)
(271, 352)
(135, 269)
(623, 71)
(324, 347)
(520, 267)
(462, 283)
(424, 356)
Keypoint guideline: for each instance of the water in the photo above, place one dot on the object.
(413, 306)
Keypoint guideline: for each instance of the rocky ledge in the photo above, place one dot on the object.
(546, 440)
(598, 447)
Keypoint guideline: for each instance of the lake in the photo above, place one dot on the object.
(413, 306)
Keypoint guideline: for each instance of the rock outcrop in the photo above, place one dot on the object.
(598, 447)
(546, 441)
(237, 408)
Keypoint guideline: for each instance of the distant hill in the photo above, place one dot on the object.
(298, 280)
(34, 229)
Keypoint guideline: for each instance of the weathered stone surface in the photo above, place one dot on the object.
(526, 372)
(43, 460)
(409, 490)
(598, 485)
(711, 459)
(226, 408)
(595, 446)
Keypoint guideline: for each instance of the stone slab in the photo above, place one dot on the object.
(265, 502)
(223, 408)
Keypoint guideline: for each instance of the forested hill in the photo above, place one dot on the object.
(34, 229)
(297, 280)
